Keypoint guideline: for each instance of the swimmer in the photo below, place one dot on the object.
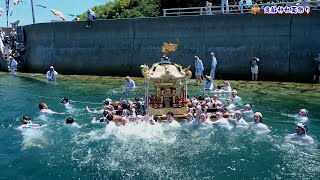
(300, 135)
(26, 123)
(130, 84)
(220, 120)
(234, 96)
(257, 125)
(64, 101)
(204, 121)
(45, 109)
(247, 109)
(52, 74)
(240, 122)
(230, 106)
(227, 87)
(70, 121)
(171, 122)
(303, 116)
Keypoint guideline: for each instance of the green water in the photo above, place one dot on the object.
(57, 151)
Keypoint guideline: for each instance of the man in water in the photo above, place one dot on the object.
(52, 74)
(300, 135)
(198, 69)
(130, 84)
(257, 125)
(208, 85)
(26, 123)
(69, 120)
(213, 66)
(303, 116)
(240, 122)
(45, 109)
(13, 65)
(171, 121)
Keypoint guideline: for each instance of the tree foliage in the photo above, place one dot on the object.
(126, 9)
(142, 8)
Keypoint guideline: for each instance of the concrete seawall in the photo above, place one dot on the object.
(285, 44)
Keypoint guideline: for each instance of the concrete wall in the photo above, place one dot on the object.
(285, 44)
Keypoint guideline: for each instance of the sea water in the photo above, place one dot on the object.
(92, 151)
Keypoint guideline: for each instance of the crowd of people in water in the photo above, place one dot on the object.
(223, 109)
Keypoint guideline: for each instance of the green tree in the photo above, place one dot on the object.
(126, 9)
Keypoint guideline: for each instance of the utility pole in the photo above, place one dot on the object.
(32, 12)
(7, 10)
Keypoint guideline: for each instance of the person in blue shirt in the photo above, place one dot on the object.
(130, 84)
(52, 74)
(208, 85)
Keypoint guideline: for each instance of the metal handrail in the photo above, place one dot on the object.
(229, 9)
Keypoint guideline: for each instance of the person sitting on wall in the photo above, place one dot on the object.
(52, 74)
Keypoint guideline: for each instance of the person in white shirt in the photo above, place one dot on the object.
(213, 66)
(45, 109)
(227, 87)
(303, 116)
(208, 85)
(52, 74)
(240, 122)
(204, 121)
(254, 68)
(230, 106)
(198, 69)
(13, 65)
(300, 136)
(221, 121)
(257, 125)
(130, 84)
(234, 96)
(171, 122)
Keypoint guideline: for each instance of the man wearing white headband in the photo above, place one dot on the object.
(300, 136)
(240, 122)
(221, 121)
(257, 125)
(303, 116)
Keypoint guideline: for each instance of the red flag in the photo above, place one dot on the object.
(58, 13)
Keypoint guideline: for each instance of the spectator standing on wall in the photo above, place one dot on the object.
(254, 68)
(208, 8)
(2, 34)
(198, 69)
(91, 17)
(213, 66)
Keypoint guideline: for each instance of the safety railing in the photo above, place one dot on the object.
(231, 9)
